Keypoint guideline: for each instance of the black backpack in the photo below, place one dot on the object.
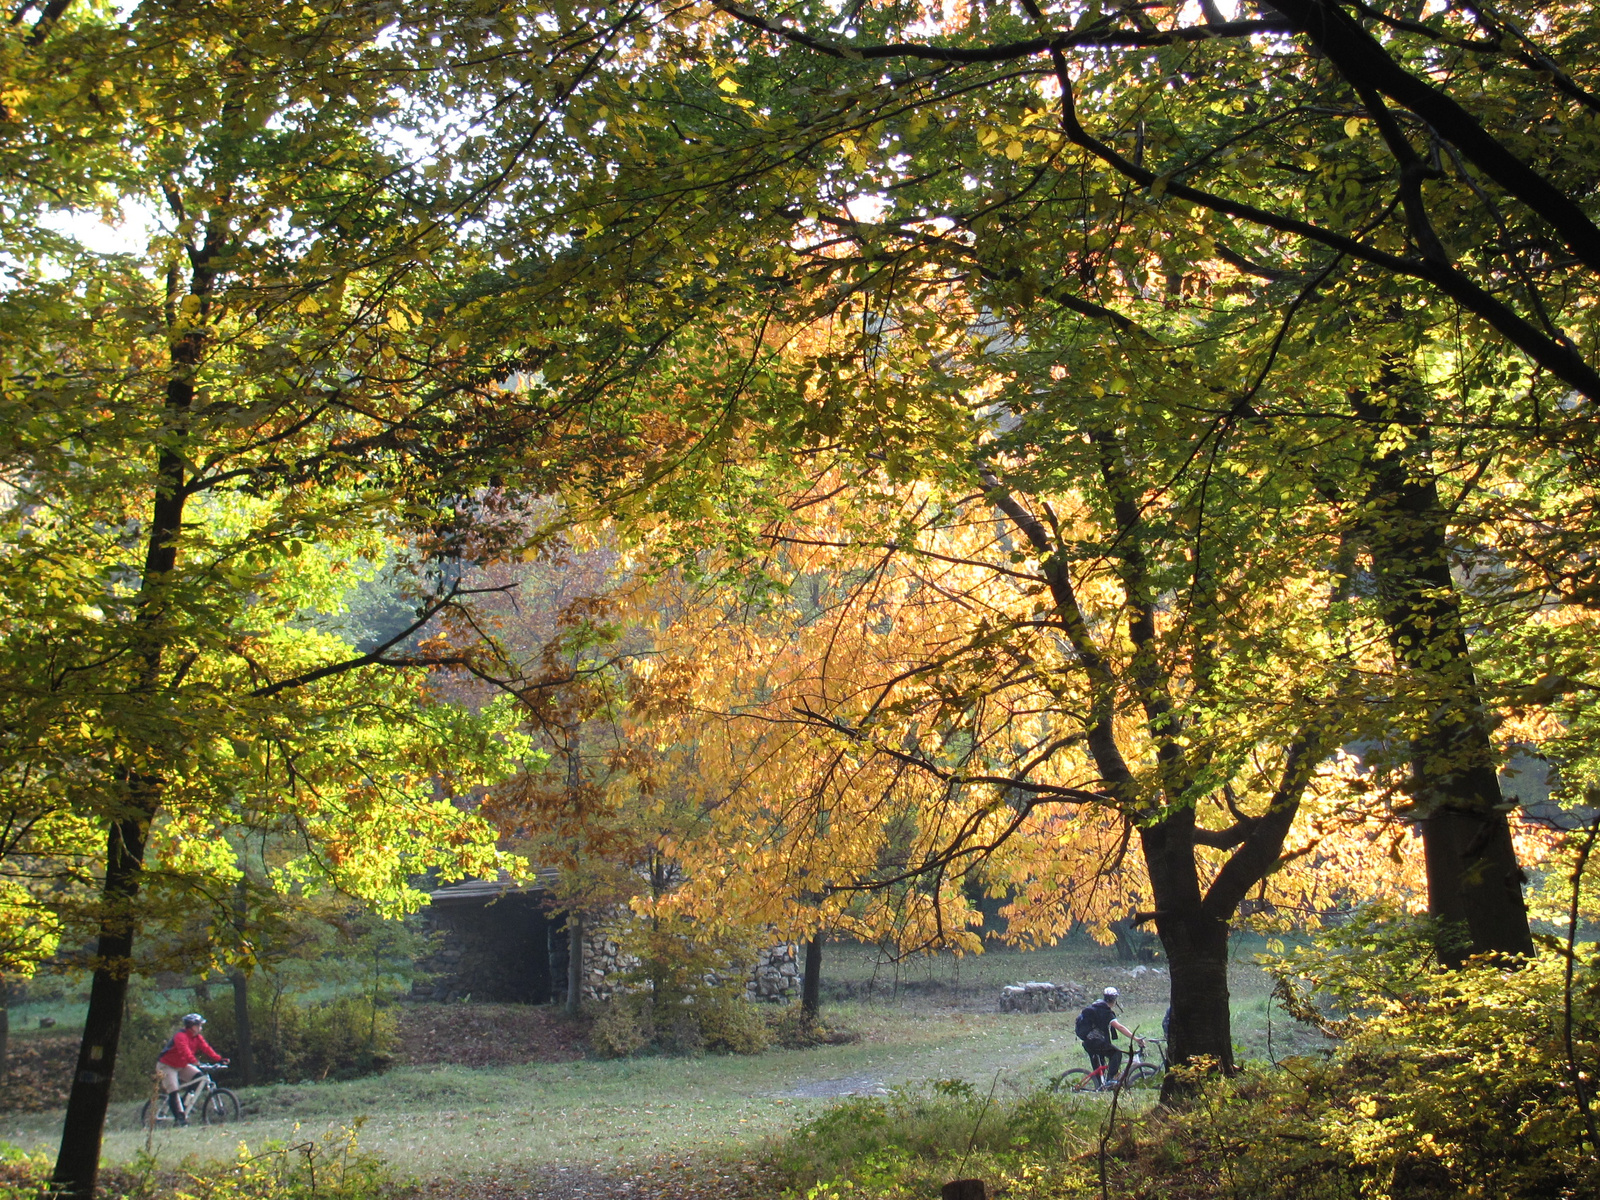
(1087, 1029)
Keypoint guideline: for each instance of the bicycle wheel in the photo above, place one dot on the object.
(144, 1116)
(1076, 1080)
(1144, 1075)
(221, 1107)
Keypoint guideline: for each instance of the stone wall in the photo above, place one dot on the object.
(1037, 996)
(776, 976)
(495, 949)
(603, 963)
(774, 979)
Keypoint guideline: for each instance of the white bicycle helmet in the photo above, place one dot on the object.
(193, 1019)
(1111, 993)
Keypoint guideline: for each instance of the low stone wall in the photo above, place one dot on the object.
(1036, 996)
(603, 964)
(776, 976)
(774, 979)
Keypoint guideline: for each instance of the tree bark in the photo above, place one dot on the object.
(574, 963)
(243, 1055)
(1195, 942)
(5, 1024)
(811, 979)
(78, 1161)
(1474, 880)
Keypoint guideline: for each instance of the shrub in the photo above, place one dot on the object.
(332, 1167)
(630, 1023)
(908, 1143)
(339, 1039)
(1447, 1083)
(618, 1031)
(790, 1027)
(144, 1034)
(732, 1023)
(685, 996)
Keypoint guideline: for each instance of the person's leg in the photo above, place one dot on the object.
(185, 1075)
(169, 1088)
(1114, 1071)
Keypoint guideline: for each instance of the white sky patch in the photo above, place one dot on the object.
(867, 208)
(1190, 13)
(129, 235)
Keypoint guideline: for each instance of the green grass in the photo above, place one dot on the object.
(450, 1121)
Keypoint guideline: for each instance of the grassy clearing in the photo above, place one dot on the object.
(451, 1121)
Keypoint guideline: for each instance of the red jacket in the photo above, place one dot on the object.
(182, 1049)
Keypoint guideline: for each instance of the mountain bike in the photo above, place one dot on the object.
(216, 1105)
(1135, 1073)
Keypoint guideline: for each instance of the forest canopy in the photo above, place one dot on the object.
(803, 468)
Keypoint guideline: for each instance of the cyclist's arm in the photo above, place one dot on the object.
(1125, 1031)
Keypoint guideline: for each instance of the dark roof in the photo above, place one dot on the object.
(479, 891)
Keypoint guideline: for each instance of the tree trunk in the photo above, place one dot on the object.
(244, 1053)
(78, 1162)
(811, 979)
(1197, 961)
(574, 963)
(1196, 945)
(1474, 881)
(5, 1026)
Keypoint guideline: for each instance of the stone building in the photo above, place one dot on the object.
(497, 942)
(500, 942)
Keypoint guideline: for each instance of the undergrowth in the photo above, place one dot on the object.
(332, 1167)
(910, 1142)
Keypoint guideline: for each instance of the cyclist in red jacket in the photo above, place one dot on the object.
(176, 1066)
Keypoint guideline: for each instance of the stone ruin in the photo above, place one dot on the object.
(1036, 996)
(774, 979)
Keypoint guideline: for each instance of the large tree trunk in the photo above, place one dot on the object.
(1197, 959)
(1474, 881)
(811, 979)
(78, 1162)
(5, 1024)
(1196, 946)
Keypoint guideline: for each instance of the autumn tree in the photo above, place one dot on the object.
(278, 383)
(1088, 164)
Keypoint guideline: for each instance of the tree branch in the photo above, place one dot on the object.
(375, 657)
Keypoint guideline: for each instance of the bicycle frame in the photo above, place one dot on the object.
(187, 1094)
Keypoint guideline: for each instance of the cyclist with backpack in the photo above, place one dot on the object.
(1096, 1028)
